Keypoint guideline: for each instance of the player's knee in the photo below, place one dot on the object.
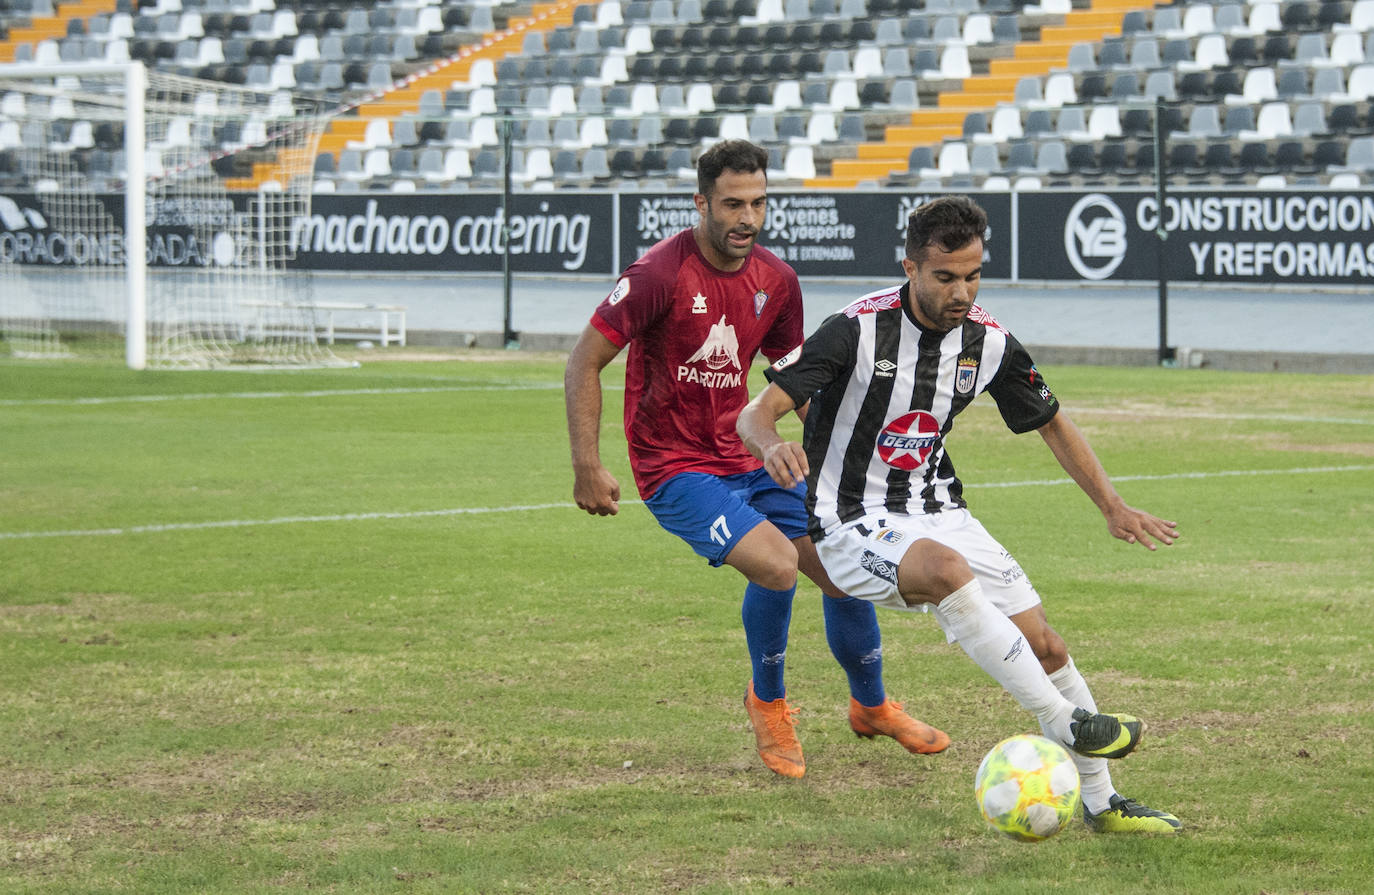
(777, 570)
(775, 578)
(931, 571)
(946, 569)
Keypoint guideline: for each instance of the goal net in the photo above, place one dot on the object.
(157, 208)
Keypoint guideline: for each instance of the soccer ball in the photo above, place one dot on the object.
(1027, 787)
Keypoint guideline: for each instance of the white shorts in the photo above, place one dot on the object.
(862, 558)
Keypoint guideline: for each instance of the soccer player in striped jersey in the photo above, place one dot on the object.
(694, 311)
(880, 384)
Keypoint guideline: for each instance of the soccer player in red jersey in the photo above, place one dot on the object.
(695, 310)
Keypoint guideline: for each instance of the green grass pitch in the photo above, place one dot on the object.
(343, 631)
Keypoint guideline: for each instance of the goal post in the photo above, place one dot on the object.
(158, 207)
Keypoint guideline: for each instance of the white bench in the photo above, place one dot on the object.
(386, 324)
(389, 328)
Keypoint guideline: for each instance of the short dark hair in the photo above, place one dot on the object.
(949, 223)
(733, 155)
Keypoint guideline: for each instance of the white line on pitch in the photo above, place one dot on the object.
(520, 508)
(1205, 415)
(548, 386)
(1224, 473)
(317, 393)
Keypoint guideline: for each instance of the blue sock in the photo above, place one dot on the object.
(767, 613)
(851, 629)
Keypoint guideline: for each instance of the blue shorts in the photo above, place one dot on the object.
(712, 512)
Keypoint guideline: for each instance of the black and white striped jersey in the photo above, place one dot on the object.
(884, 392)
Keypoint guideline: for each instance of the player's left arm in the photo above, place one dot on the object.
(1126, 522)
(757, 427)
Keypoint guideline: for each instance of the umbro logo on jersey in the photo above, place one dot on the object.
(884, 368)
(885, 569)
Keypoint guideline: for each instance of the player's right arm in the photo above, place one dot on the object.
(594, 488)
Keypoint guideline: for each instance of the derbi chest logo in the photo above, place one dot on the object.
(906, 441)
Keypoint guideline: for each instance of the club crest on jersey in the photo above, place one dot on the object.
(699, 304)
(966, 376)
(760, 299)
(889, 536)
(622, 289)
(906, 442)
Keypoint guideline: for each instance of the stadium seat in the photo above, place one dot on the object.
(1072, 124)
(1005, 125)
(1113, 157)
(1328, 154)
(1254, 157)
(1020, 156)
(1037, 123)
(1082, 57)
(920, 160)
(1309, 119)
(1104, 122)
(1112, 54)
(983, 159)
(1239, 120)
(975, 126)
(1264, 18)
(1360, 154)
(1274, 121)
(1361, 83)
(1082, 159)
(799, 163)
(953, 159)
(1051, 157)
(1160, 85)
(1060, 89)
(1198, 19)
(1204, 123)
(763, 128)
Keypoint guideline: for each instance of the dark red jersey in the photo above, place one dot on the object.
(693, 332)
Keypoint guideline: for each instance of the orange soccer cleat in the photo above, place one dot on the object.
(889, 720)
(775, 729)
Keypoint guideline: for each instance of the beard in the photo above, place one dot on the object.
(945, 317)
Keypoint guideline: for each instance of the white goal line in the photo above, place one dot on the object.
(523, 508)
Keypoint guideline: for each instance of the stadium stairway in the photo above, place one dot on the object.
(52, 27)
(876, 161)
(350, 125)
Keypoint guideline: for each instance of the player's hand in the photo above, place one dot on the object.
(786, 463)
(597, 491)
(1139, 527)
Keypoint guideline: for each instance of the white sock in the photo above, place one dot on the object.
(999, 648)
(1097, 780)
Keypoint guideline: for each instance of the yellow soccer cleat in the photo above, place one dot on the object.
(1128, 816)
